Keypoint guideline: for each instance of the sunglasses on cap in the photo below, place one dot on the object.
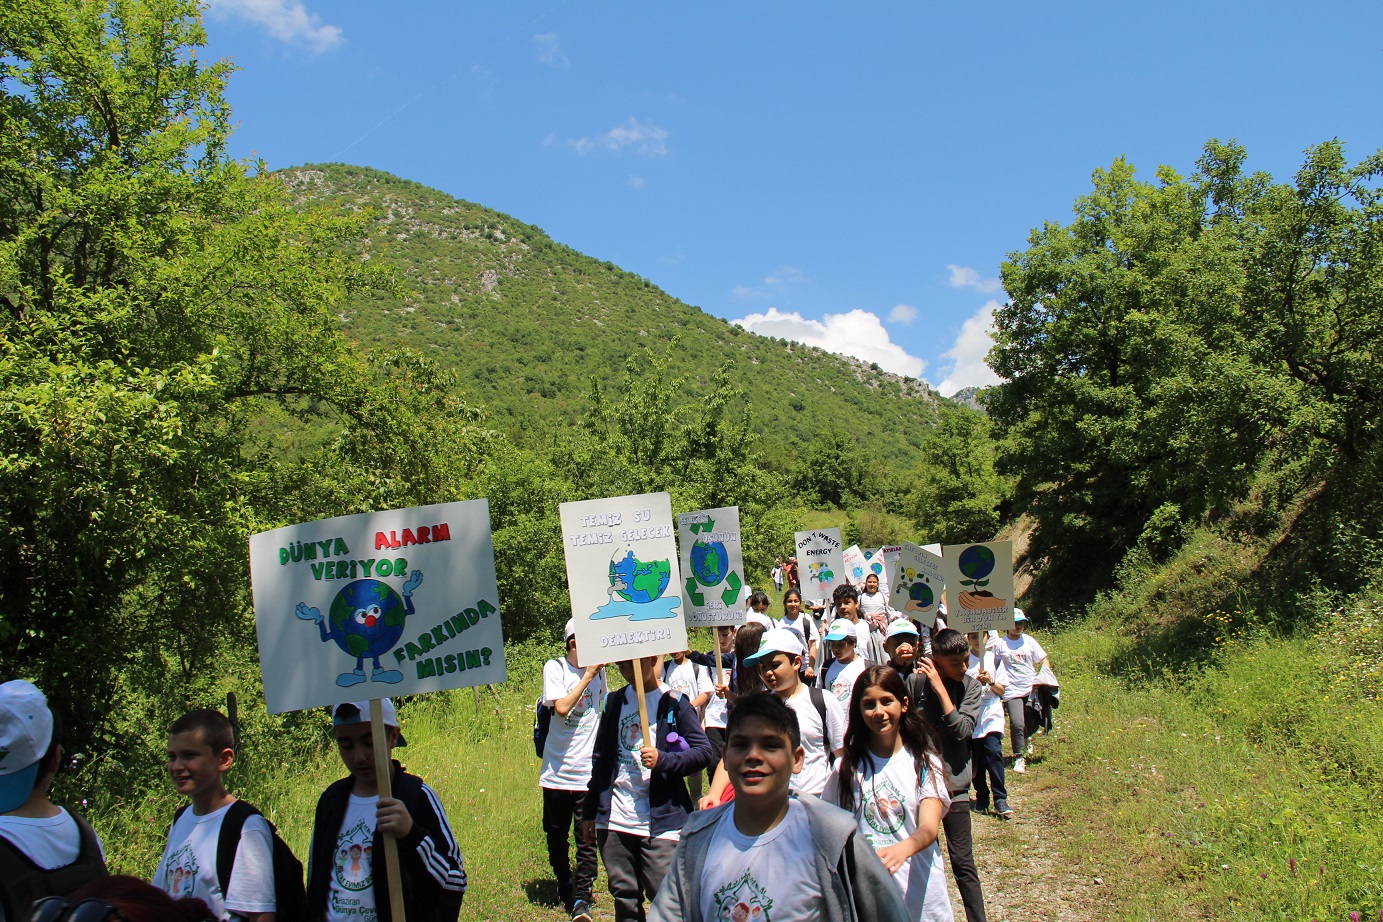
(57, 909)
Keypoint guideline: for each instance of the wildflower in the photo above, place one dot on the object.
(1292, 865)
(1354, 917)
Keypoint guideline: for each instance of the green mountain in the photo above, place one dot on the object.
(526, 322)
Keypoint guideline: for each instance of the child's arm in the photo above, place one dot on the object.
(929, 813)
(681, 764)
(719, 783)
(427, 843)
(564, 704)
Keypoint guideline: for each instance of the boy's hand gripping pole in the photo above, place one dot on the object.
(384, 777)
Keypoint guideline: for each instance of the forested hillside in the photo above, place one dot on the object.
(526, 322)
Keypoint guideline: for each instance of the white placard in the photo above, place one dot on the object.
(820, 562)
(377, 605)
(876, 562)
(979, 585)
(713, 566)
(917, 583)
(856, 566)
(624, 579)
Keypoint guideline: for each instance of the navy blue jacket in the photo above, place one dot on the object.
(668, 801)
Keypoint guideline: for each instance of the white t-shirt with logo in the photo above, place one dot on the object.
(816, 767)
(991, 705)
(757, 878)
(840, 678)
(629, 807)
(1019, 659)
(49, 842)
(804, 627)
(887, 795)
(688, 679)
(570, 739)
(717, 709)
(351, 884)
(188, 866)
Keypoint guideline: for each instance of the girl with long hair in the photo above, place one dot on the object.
(801, 623)
(744, 681)
(891, 778)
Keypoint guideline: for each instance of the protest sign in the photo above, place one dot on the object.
(713, 562)
(819, 554)
(624, 579)
(377, 604)
(888, 559)
(979, 585)
(917, 583)
(856, 566)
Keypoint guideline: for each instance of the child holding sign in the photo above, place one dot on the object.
(637, 801)
(346, 879)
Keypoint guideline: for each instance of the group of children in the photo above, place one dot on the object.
(820, 788)
(222, 859)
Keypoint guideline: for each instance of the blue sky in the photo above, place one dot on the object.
(849, 176)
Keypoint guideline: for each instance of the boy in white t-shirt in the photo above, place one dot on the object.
(767, 854)
(845, 666)
(345, 880)
(1021, 657)
(575, 695)
(44, 850)
(637, 803)
(987, 741)
(201, 749)
(820, 717)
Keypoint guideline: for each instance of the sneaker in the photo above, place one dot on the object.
(981, 809)
(1029, 748)
(565, 889)
(1003, 811)
(1020, 765)
(581, 911)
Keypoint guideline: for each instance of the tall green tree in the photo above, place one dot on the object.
(1177, 336)
(158, 303)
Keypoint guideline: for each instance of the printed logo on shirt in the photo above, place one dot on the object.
(631, 736)
(883, 806)
(843, 688)
(742, 901)
(583, 705)
(180, 873)
(344, 907)
(354, 866)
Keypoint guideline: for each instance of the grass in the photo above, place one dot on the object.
(1246, 788)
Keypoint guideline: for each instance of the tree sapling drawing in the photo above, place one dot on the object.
(366, 621)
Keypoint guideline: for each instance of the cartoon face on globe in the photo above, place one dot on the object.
(366, 620)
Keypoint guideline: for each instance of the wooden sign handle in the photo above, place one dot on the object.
(643, 705)
(384, 778)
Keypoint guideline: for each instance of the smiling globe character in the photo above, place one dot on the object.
(366, 621)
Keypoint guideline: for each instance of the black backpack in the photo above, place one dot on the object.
(819, 702)
(290, 896)
(542, 722)
(25, 882)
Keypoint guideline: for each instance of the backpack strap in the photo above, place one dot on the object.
(819, 702)
(228, 842)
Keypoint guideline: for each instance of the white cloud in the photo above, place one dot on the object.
(550, 50)
(287, 20)
(857, 333)
(784, 275)
(637, 182)
(649, 140)
(965, 277)
(967, 354)
(902, 313)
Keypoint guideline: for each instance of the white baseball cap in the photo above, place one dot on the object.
(570, 629)
(26, 731)
(842, 629)
(778, 640)
(1018, 615)
(900, 628)
(362, 716)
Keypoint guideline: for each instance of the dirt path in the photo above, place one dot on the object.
(1024, 876)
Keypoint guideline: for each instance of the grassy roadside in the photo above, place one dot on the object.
(1247, 788)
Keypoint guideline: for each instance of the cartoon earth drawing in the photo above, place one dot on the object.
(366, 620)
(921, 593)
(638, 581)
(710, 562)
(822, 573)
